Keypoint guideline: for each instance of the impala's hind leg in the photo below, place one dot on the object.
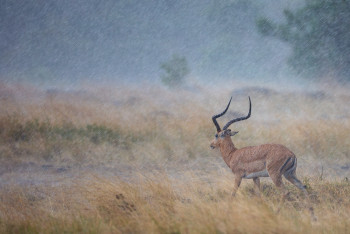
(257, 185)
(294, 180)
(291, 177)
(277, 180)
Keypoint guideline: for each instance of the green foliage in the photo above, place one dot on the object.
(100, 133)
(13, 130)
(174, 71)
(265, 26)
(319, 36)
(47, 140)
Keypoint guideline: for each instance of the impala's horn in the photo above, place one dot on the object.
(219, 115)
(239, 119)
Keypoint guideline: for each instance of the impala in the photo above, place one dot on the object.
(253, 162)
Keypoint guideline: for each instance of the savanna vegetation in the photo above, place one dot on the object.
(115, 160)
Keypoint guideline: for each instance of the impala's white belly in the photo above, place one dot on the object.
(263, 173)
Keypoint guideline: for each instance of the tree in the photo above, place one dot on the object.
(174, 71)
(319, 34)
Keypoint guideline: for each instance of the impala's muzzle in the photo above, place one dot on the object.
(212, 145)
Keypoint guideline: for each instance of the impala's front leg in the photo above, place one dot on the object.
(257, 185)
(238, 180)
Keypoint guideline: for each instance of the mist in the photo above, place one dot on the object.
(51, 42)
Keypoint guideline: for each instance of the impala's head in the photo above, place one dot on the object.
(226, 133)
(220, 137)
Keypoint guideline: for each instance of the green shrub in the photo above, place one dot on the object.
(14, 130)
(174, 71)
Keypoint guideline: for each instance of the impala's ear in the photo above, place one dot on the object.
(228, 132)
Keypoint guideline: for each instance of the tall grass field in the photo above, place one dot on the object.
(126, 159)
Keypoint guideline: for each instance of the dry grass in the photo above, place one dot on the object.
(159, 204)
(126, 159)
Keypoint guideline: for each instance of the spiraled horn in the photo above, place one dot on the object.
(241, 118)
(219, 115)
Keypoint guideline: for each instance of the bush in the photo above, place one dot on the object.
(15, 130)
(175, 70)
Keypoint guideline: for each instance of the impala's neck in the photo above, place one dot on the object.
(227, 148)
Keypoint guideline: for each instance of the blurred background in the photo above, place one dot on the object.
(287, 42)
(95, 62)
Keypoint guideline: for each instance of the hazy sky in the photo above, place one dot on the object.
(129, 39)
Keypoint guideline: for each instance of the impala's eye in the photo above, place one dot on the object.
(216, 135)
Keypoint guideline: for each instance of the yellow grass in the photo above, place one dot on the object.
(128, 159)
(156, 203)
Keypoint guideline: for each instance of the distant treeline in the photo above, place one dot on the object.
(319, 34)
